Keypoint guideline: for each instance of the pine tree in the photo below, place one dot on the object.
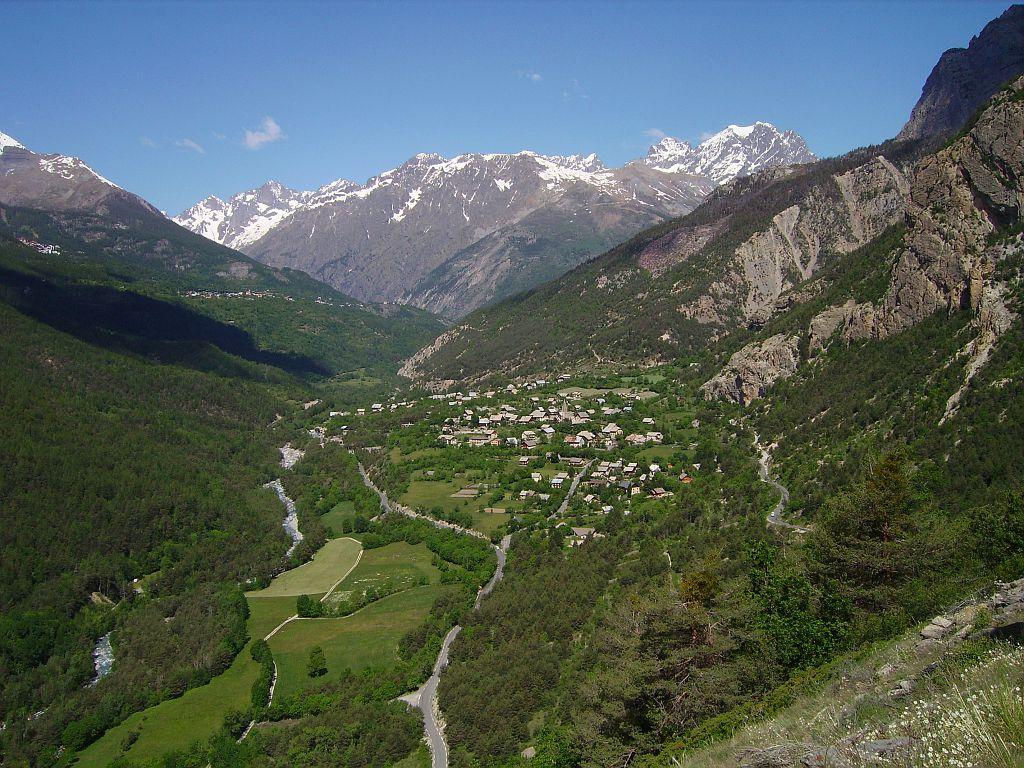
(317, 664)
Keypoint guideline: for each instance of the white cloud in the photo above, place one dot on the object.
(147, 142)
(268, 132)
(574, 91)
(533, 77)
(190, 144)
(655, 133)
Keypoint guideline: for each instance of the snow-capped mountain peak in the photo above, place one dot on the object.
(737, 150)
(246, 217)
(669, 155)
(381, 239)
(9, 141)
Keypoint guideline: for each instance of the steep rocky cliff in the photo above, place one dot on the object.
(963, 217)
(965, 78)
(770, 262)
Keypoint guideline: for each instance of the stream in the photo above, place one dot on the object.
(291, 518)
(102, 658)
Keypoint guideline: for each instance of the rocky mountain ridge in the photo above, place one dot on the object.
(730, 265)
(57, 182)
(964, 78)
(962, 219)
(452, 234)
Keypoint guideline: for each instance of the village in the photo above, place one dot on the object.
(534, 454)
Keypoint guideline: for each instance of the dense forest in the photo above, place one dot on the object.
(135, 442)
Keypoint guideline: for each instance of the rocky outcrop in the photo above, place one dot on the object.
(832, 219)
(850, 320)
(993, 320)
(965, 78)
(754, 368)
(961, 198)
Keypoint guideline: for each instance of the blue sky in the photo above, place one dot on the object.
(178, 101)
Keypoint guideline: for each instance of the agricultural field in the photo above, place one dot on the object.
(367, 638)
(316, 577)
(391, 568)
(342, 512)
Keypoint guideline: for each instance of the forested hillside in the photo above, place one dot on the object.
(143, 368)
(118, 468)
(895, 429)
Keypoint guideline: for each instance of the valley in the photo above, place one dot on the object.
(709, 458)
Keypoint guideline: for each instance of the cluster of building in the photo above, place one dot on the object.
(478, 426)
(247, 294)
(47, 249)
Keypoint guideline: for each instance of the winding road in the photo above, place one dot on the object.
(425, 698)
(764, 472)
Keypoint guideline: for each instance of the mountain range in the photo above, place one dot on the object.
(757, 248)
(452, 234)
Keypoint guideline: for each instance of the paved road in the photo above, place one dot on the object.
(764, 471)
(425, 699)
(572, 489)
(433, 723)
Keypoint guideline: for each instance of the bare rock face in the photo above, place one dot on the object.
(959, 198)
(825, 324)
(965, 78)
(870, 198)
(754, 368)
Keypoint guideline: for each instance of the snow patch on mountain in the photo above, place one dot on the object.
(69, 167)
(738, 150)
(9, 141)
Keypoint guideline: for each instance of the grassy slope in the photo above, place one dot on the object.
(317, 576)
(176, 723)
(851, 700)
(400, 564)
(366, 638)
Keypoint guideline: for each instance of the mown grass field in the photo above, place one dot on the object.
(265, 613)
(318, 575)
(366, 638)
(489, 522)
(400, 565)
(334, 519)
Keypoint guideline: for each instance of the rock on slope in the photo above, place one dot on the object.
(965, 78)
(962, 218)
(450, 235)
